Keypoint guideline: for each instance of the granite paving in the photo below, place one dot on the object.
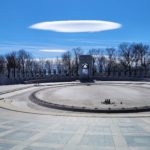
(19, 131)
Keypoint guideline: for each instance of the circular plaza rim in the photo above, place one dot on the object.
(108, 109)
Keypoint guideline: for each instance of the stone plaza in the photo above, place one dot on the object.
(24, 125)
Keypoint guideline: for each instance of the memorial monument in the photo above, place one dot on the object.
(85, 67)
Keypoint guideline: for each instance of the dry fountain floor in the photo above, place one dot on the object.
(27, 126)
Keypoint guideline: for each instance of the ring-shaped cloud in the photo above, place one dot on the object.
(71, 26)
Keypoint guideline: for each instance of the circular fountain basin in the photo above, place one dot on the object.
(92, 96)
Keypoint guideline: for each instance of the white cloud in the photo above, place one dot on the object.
(53, 50)
(77, 26)
(50, 59)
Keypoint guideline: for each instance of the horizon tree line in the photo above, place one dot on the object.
(129, 58)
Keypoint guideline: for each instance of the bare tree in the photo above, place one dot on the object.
(126, 56)
(111, 59)
(48, 66)
(23, 57)
(12, 63)
(102, 61)
(29, 67)
(141, 56)
(66, 60)
(58, 66)
(2, 64)
(41, 64)
(77, 52)
(36, 67)
(94, 53)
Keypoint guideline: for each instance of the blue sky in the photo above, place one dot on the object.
(17, 15)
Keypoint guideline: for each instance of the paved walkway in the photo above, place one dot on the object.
(15, 87)
(10, 88)
(24, 131)
(19, 131)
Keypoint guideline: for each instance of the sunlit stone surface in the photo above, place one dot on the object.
(63, 131)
